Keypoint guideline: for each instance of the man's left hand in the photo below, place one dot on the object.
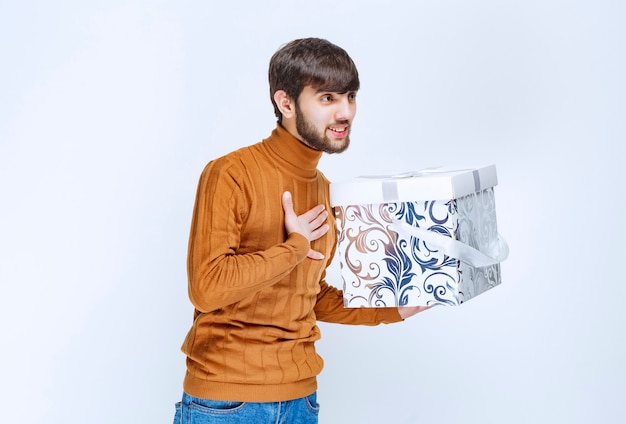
(409, 311)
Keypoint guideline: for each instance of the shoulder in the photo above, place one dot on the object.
(322, 178)
(232, 165)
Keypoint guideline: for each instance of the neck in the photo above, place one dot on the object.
(290, 126)
(292, 153)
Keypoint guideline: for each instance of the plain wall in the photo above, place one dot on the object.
(109, 111)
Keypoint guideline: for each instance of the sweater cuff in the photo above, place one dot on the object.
(389, 315)
(300, 244)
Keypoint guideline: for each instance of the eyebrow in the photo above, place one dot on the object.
(321, 90)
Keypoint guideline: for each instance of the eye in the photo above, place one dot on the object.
(326, 98)
(352, 97)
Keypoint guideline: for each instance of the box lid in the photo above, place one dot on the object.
(428, 184)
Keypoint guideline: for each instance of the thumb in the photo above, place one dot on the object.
(291, 220)
(288, 203)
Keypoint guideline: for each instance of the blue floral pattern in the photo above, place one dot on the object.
(383, 268)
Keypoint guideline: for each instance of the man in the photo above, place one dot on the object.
(261, 239)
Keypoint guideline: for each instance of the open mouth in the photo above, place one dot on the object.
(339, 131)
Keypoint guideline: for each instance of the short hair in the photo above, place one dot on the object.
(311, 62)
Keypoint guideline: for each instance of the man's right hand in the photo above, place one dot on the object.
(311, 224)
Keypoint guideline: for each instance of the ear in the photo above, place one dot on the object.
(285, 104)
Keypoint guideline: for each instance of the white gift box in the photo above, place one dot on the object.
(419, 238)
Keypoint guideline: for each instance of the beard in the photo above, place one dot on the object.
(316, 140)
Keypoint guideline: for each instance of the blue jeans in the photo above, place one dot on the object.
(193, 410)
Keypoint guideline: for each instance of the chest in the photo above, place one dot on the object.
(263, 221)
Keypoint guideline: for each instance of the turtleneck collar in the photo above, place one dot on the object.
(295, 156)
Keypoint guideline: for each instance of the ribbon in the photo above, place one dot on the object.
(390, 181)
(411, 174)
(495, 253)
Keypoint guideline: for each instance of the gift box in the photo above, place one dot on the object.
(419, 238)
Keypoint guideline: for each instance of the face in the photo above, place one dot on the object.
(323, 119)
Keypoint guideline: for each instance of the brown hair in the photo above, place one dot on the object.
(311, 61)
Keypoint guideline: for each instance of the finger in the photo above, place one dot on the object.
(319, 219)
(319, 232)
(314, 254)
(313, 213)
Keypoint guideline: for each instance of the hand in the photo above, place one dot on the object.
(310, 224)
(409, 311)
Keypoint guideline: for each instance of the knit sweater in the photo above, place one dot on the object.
(256, 294)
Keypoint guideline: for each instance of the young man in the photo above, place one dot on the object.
(261, 239)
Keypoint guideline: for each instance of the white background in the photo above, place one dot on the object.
(109, 111)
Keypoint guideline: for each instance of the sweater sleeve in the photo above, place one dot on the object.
(330, 308)
(218, 273)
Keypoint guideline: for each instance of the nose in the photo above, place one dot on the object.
(346, 109)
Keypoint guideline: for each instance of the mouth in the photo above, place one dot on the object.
(338, 130)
